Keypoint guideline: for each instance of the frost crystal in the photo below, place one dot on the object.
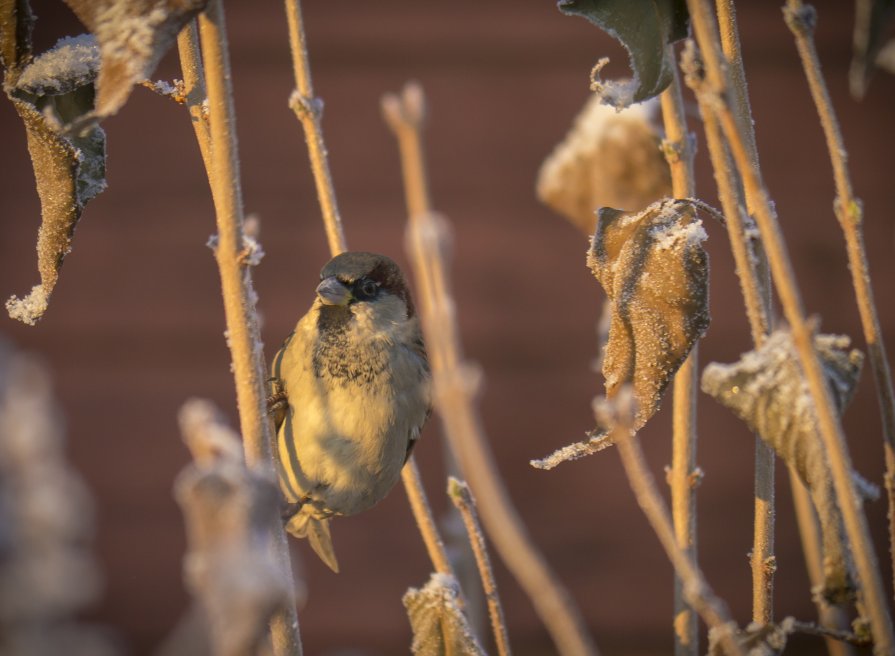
(439, 626)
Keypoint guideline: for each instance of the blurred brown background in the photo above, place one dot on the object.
(135, 326)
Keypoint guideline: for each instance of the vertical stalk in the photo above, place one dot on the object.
(784, 280)
(800, 19)
(830, 616)
(762, 560)
(419, 504)
(309, 110)
(683, 476)
(456, 383)
(239, 303)
(463, 500)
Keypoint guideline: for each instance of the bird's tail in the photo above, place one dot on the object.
(304, 525)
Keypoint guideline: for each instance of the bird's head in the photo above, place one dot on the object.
(365, 283)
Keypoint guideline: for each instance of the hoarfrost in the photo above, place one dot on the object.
(439, 626)
(73, 62)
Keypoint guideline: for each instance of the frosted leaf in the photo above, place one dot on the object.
(654, 271)
(644, 29)
(228, 508)
(133, 35)
(766, 389)
(439, 626)
(608, 159)
(755, 640)
(16, 23)
(56, 88)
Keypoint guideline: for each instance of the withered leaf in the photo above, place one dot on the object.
(654, 270)
(16, 23)
(608, 159)
(56, 88)
(766, 389)
(756, 639)
(439, 625)
(133, 35)
(644, 29)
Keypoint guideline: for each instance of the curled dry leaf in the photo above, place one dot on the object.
(16, 23)
(55, 89)
(229, 566)
(608, 159)
(133, 35)
(439, 626)
(654, 271)
(766, 389)
(644, 29)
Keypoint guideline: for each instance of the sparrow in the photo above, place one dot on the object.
(350, 392)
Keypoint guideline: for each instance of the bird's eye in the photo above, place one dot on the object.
(369, 288)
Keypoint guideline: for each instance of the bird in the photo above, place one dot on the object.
(350, 391)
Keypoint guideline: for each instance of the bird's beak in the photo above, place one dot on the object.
(333, 292)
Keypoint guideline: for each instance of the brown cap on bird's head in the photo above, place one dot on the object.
(354, 267)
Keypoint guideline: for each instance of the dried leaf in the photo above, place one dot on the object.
(654, 270)
(872, 17)
(439, 626)
(644, 29)
(54, 89)
(608, 159)
(755, 640)
(133, 35)
(16, 23)
(766, 389)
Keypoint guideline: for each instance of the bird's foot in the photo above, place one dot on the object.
(291, 509)
(276, 401)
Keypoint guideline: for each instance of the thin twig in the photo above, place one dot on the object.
(830, 616)
(194, 88)
(800, 19)
(845, 638)
(618, 415)
(678, 151)
(419, 504)
(239, 297)
(793, 308)
(463, 500)
(456, 383)
(309, 110)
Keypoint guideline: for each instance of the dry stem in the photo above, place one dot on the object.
(455, 384)
(416, 494)
(309, 111)
(194, 86)
(239, 297)
(695, 589)
(800, 19)
(830, 616)
(461, 495)
(679, 153)
(784, 280)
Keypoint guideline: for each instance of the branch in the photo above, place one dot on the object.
(801, 19)
(455, 384)
(462, 498)
(239, 296)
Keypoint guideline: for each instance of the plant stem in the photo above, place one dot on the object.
(239, 297)
(784, 280)
(830, 616)
(800, 19)
(455, 384)
(461, 495)
(309, 111)
(419, 504)
(683, 476)
(194, 85)
(695, 589)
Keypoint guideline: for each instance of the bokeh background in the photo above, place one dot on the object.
(135, 326)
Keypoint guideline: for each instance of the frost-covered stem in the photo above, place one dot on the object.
(696, 590)
(800, 19)
(755, 296)
(683, 476)
(456, 383)
(419, 504)
(803, 333)
(830, 616)
(463, 500)
(239, 297)
(194, 85)
(309, 110)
